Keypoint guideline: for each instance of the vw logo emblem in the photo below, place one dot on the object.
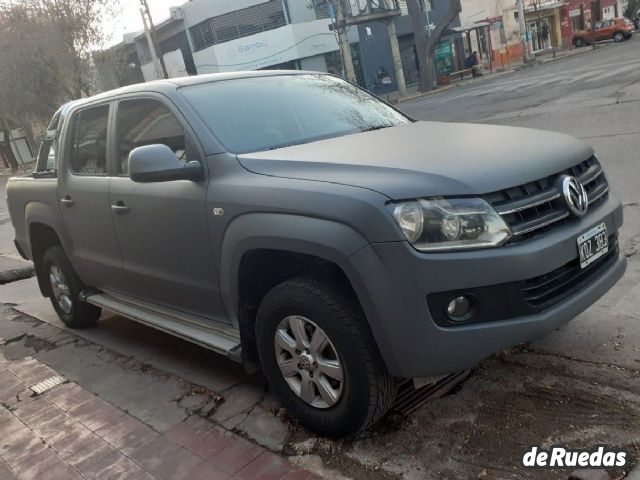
(575, 196)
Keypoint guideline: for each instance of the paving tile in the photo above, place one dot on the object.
(68, 396)
(299, 475)
(26, 462)
(81, 448)
(37, 374)
(9, 396)
(23, 450)
(123, 469)
(66, 439)
(14, 434)
(31, 411)
(267, 466)
(68, 427)
(5, 472)
(23, 366)
(49, 425)
(206, 471)
(236, 455)
(96, 413)
(130, 435)
(8, 380)
(166, 459)
(200, 438)
(53, 468)
(99, 460)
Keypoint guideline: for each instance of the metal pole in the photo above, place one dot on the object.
(152, 35)
(523, 32)
(152, 50)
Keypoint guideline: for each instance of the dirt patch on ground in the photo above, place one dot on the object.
(511, 403)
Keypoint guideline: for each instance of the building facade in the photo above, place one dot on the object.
(549, 23)
(202, 36)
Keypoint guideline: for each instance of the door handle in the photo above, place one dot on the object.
(120, 208)
(67, 202)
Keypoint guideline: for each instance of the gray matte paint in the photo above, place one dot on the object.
(328, 199)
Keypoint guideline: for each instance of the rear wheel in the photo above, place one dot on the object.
(320, 358)
(618, 37)
(579, 42)
(64, 290)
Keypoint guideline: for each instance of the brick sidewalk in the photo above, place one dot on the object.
(68, 433)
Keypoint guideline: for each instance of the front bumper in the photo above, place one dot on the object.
(398, 279)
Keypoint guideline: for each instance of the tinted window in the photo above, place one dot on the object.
(89, 151)
(146, 122)
(253, 114)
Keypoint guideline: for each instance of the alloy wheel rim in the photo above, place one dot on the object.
(309, 362)
(60, 289)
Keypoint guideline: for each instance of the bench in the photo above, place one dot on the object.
(462, 73)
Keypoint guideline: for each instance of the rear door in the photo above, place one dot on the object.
(83, 193)
(163, 231)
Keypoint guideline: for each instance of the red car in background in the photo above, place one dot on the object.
(617, 29)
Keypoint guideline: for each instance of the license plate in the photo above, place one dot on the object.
(592, 245)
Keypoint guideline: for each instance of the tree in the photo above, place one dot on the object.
(425, 46)
(631, 10)
(45, 56)
(596, 13)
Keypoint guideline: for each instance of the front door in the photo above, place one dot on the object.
(162, 229)
(83, 194)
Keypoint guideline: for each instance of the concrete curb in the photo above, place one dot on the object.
(426, 94)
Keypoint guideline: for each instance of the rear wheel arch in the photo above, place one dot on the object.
(41, 237)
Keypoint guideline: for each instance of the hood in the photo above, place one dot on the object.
(426, 159)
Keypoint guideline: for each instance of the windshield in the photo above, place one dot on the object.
(262, 113)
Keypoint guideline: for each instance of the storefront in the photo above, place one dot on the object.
(543, 20)
(576, 16)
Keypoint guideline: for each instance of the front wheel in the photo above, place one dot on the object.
(64, 288)
(579, 42)
(618, 37)
(320, 358)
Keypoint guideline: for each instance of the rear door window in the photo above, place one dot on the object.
(89, 149)
(148, 121)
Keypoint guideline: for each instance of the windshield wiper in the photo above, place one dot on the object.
(376, 127)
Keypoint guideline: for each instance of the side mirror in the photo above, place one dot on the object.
(158, 163)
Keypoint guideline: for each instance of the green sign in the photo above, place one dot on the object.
(444, 58)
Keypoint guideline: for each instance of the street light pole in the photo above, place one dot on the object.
(152, 34)
(523, 32)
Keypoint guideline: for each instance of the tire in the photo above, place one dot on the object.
(64, 289)
(579, 42)
(618, 37)
(367, 390)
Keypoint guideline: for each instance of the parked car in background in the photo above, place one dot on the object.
(617, 29)
(294, 222)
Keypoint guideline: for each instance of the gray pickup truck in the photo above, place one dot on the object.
(297, 224)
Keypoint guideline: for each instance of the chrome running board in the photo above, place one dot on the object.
(220, 338)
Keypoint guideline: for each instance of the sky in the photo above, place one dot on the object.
(129, 19)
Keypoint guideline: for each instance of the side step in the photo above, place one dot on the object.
(219, 339)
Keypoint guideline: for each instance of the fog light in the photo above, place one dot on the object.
(459, 308)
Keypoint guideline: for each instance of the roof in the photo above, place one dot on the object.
(172, 84)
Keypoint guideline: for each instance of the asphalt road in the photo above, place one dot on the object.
(579, 386)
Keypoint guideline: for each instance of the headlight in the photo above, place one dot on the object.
(450, 224)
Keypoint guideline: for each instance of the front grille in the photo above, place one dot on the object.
(544, 291)
(536, 207)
